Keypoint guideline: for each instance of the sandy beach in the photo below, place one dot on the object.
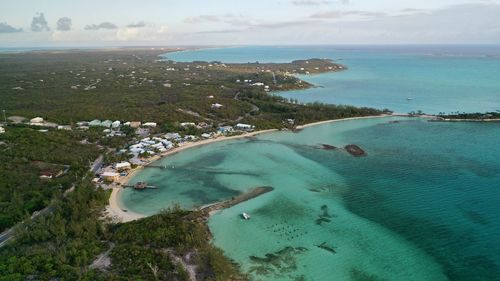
(340, 120)
(117, 213)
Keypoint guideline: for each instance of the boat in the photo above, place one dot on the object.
(409, 98)
(245, 216)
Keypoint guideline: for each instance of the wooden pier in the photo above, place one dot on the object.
(140, 186)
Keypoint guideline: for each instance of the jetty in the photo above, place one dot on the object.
(140, 186)
(258, 191)
(327, 146)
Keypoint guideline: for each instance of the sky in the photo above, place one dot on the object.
(28, 23)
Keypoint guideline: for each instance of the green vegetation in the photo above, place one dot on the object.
(135, 85)
(26, 154)
(64, 243)
(128, 85)
(470, 116)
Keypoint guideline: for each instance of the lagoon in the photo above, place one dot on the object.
(422, 205)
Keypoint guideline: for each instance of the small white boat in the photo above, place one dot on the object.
(245, 216)
(409, 98)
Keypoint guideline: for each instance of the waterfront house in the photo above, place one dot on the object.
(172, 136)
(244, 127)
(110, 176)
(206, 135)
(225, 129)
(123, 166)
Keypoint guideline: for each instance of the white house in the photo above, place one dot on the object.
(187, 124)
(149, 124)
(36, 120)
(216, 105)
(258, 84)
(172, 136)
(2, 130)
(110, 176)
(94, 123)
(106, 123)
(123, 166)
(116, 124)
(244, 127)
(206, 135)
(225, 129)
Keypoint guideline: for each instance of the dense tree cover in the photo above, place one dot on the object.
(471, 116)
(63, 244)
(134, 85)
(152, 241)
(60, 244)
(24, 154)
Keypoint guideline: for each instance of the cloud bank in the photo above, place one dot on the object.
(102, 25)
(39, 23)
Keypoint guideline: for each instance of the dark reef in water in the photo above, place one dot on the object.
(327, 147)
(325, 247)
(355, 150)
(325, 216)
(278, 264)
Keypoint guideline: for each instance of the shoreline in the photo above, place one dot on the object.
(117, 213)
(114, 209)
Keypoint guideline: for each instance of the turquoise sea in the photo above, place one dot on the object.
(423, 204)
(436, 78)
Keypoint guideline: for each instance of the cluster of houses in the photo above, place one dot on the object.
(152, 145)
(112, 128)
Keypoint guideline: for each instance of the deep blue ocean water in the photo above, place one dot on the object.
(435, 78)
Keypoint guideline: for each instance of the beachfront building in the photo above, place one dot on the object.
(244, 127)
(122, 166)
(110, 176)
(206, 135)
(225, 130)
(173, 136)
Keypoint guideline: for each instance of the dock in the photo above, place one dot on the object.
(140, 186)
(258, 191)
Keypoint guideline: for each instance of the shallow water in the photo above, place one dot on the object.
(422, 205)
(436, 78)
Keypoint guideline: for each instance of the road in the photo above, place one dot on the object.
(9, 233)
